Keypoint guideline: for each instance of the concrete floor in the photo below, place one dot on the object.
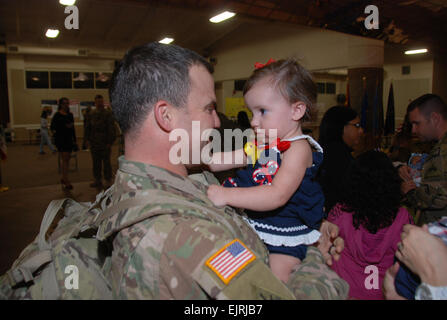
(34, 181)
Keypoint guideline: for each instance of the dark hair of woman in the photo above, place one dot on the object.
(333, 123)
(44, 114)
(371, 191)
(59, 103)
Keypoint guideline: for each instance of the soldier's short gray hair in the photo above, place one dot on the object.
(148, 74)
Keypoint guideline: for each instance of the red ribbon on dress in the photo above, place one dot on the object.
(280, 145)
(259, 65)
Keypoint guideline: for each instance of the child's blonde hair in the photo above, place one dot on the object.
(293, 80)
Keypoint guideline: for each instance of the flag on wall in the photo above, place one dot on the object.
(390, 121)
(377, 114)
(375, 127)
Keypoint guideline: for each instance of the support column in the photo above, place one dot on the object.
(365, 72)
(440, 76)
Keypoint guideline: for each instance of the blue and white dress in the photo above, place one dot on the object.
(290, 228)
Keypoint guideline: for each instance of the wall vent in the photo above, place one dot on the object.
(82, 52)
(13, 49)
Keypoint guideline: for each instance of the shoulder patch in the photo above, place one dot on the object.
(230, 260)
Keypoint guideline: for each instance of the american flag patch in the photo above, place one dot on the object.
(229, 260)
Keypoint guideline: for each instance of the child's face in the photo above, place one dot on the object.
(270, 111)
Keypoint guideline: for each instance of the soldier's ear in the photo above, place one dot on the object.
(435, 117)
(163, 114)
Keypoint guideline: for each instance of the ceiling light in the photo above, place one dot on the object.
(223, 16)
(416, 51)
(166, 40)
(67, 2)
(52, 33)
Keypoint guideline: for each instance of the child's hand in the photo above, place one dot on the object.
(330, 244)
(217, 195)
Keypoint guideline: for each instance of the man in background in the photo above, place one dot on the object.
(428, 117)
(100, 134)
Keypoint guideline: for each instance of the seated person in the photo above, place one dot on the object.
(370, 220)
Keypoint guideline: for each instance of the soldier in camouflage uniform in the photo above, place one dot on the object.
(187, 248)
(100, 133)
(428, 116)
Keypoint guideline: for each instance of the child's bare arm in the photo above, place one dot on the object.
(222, 161)
(269, 197)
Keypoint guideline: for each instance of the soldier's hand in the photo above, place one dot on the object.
(330, 244)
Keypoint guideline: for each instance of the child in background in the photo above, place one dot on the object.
(370, 219)
(44, 134)
(283, 202)
(416, 163)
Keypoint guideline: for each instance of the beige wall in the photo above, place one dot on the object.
(406, 87)
(236, 53)
(25, 104)
(317, 49)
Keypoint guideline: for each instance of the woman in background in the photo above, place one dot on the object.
(44, 135)
(340, 132)
(65, 138)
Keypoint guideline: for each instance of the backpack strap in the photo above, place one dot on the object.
(158, 202)
(24, 271)
(48, 218)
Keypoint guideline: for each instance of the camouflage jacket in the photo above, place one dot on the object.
(175, 254)
(100, 128)
(431, 196)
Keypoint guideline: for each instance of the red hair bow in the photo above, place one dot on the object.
(259, 65)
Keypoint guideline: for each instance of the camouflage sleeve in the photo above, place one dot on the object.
(432, 193)
(314, 280)
(186, 267)
(427, 196)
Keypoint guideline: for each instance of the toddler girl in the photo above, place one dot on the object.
(284, 203)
